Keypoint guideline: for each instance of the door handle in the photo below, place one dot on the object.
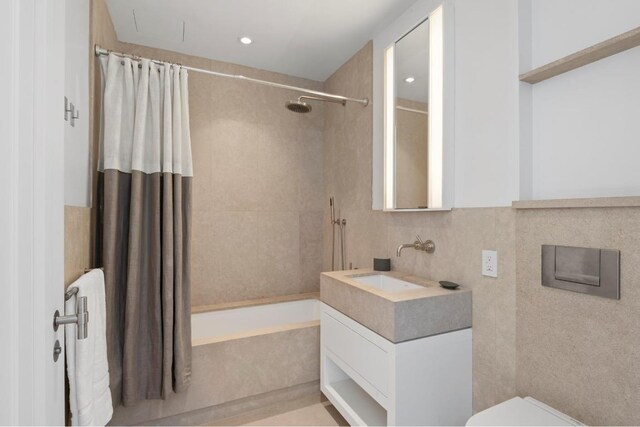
(80, 318)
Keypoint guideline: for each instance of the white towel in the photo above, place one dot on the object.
(87, 367)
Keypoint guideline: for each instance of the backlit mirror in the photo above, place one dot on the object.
(413, 117)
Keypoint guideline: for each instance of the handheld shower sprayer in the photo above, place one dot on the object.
(333, 209)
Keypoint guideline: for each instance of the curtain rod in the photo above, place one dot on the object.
(364, 101)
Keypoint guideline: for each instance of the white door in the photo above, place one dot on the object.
(31, 210)
(77, 154)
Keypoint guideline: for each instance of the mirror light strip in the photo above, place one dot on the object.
(436, 107)
(389, 129)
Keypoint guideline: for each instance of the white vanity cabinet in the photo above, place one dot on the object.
(373, 381)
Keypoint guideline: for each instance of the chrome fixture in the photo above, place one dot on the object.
(342, 225)
(57, 350)
(71, 292)
(428, 246)
(343, 234)
(325, 96)
(300, 106)
(70, 112)
(80, 318)
(591, 271)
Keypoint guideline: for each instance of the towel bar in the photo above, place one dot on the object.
(71, 292)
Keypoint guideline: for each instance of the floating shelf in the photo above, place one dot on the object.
(620, 43)
(596, 202)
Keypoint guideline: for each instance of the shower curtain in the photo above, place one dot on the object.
(144, 223)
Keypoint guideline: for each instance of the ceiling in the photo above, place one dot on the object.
(304, 38)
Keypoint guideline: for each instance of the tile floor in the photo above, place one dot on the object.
(312, 410)
(317, 414)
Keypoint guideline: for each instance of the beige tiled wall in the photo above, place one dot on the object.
(460, 235)
(257, 195)
(77, 242)
(577, 352)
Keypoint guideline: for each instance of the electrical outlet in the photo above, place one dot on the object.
(490, 263)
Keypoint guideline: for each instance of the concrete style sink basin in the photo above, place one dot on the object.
(396, 306)
(386, 283)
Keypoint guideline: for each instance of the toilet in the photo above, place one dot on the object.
(521, 412)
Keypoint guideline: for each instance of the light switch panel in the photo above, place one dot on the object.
(490, 263)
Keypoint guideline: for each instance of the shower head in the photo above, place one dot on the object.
(298, 106)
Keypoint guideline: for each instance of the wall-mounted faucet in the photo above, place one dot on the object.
(428, 246)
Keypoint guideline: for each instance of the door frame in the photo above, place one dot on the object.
(31, 210)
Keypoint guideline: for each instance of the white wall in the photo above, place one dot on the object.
(586, 123)
(77, 178)
(526, 101)
(575, 135)
(31, 211)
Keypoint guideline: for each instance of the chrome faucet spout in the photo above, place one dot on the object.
(404, 246)
(419, 245)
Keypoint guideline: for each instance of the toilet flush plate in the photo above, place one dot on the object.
(586, 270)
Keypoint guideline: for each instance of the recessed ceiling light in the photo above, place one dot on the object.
(409, 79)
(245, 40)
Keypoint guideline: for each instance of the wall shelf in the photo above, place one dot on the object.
(596, 202)
(594, 53)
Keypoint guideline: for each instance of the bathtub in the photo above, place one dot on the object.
(220, 325)
(242, 358)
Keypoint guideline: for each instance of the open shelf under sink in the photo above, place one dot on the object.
(367, 409)
(355, 404)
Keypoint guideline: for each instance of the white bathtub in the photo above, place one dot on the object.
(267, 352)
(219, 325)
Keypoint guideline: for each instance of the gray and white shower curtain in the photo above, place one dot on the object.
(144, 223)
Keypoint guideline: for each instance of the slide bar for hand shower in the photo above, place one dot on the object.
(339, 98)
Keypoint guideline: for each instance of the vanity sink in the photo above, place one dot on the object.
(386, 283)
(396, 306)
(395, 349)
